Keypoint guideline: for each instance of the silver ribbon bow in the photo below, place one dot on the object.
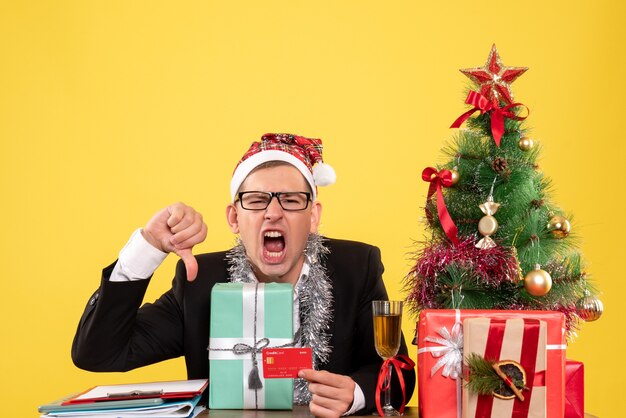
(254, 381)
(241, 348)
(450, 353)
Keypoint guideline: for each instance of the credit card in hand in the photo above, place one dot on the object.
(286, 362)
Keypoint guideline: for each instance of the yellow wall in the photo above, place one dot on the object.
(110, 110)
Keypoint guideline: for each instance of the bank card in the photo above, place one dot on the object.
(286, 362)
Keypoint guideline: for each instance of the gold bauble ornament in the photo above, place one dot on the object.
(559, 226)
(455, 175)
(526, 144)
(589, 308)
(538, 282)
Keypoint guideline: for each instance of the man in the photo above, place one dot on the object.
(275, 212)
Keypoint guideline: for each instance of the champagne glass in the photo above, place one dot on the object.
(387, 335)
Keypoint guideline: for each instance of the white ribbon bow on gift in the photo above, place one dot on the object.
(451, 351)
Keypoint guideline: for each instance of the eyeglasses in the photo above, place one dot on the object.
(290, 201)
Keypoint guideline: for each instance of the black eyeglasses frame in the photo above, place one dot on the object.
(277, 195)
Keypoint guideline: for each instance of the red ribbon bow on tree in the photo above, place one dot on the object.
(437, 179)
(398, 362)
(498, 114)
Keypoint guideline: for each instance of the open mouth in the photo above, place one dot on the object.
(273, 244)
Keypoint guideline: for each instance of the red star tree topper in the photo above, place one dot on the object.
(494, 78)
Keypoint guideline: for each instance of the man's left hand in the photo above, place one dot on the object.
(332, 393)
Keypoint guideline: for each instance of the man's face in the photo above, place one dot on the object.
(274, 238)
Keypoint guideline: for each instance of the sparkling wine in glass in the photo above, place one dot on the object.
(387, 335)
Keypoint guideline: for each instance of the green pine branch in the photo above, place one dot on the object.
(482, 379)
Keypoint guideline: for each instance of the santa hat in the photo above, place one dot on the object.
(305, 154)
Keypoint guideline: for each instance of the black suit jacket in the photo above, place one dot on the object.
(116, 334)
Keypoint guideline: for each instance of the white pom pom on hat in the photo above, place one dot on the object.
(324, 174)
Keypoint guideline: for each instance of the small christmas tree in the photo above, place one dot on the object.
(498, 241)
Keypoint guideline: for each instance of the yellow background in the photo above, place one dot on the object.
(110, 110)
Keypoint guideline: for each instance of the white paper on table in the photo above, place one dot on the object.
(164, 388)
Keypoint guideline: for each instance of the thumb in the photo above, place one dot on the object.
(191, 265)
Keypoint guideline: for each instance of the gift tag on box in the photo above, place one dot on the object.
(280, 363)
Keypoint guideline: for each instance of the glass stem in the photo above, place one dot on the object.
(388, 384)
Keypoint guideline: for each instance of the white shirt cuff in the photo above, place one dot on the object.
(138, 260)
(359, 400)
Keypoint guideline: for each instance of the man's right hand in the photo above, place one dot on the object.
(177, 228)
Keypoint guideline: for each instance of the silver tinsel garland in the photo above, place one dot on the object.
(315, 300)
